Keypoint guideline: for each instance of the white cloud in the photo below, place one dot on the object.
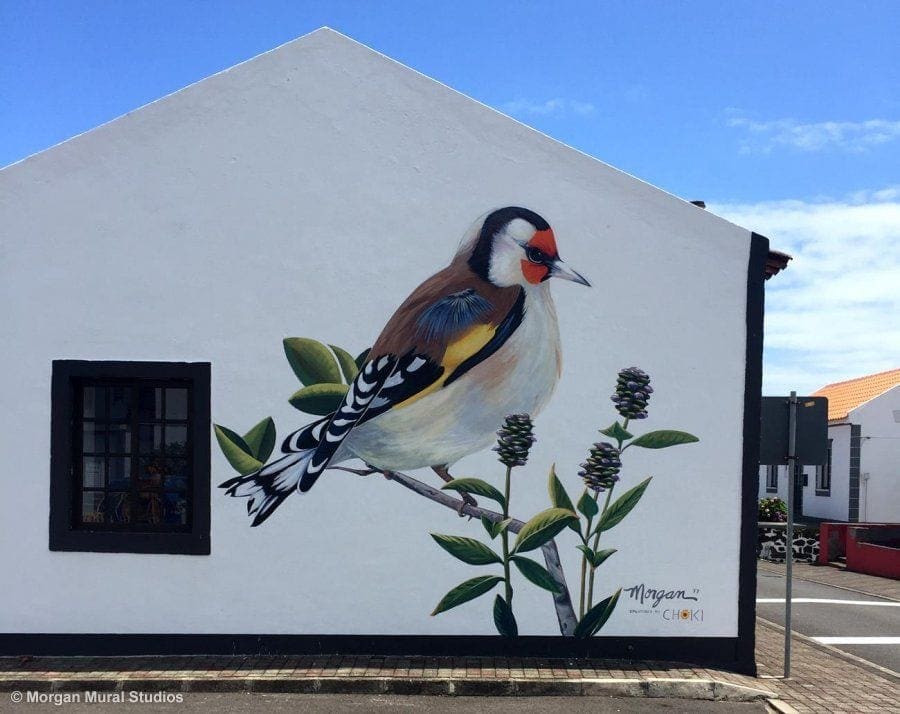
(857, 137)
(550, 107)
(835, 312)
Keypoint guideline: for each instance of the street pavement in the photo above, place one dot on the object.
(869, 629)
(363, 704)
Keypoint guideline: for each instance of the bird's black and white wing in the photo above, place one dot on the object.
(383, 382)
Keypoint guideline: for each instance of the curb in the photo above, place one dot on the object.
(876, 669)
(779, 706)
(832, 585)
(707, 689)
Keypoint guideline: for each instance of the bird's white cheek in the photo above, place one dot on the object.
(506, 265)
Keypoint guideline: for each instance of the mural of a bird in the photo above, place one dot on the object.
(475, 342)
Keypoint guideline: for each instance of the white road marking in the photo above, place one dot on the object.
(827, 601)
(858, 640)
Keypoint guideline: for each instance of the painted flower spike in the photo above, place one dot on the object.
(514, 440)
(633, 391)
(601, 470)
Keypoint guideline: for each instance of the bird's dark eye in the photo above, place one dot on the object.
(535, 255)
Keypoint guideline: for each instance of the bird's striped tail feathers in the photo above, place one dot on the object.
(267, 488)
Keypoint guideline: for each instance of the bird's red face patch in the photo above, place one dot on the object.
(546, 242)
(537, 269)
(534, 272)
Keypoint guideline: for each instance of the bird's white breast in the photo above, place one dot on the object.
(463, 417)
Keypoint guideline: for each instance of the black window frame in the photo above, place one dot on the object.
(771, 479)
(823, 474)
(65, 535)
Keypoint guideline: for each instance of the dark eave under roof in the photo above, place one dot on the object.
(776, 261)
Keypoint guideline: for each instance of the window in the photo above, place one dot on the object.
(130, 457)
(771, 479)
(823, 475)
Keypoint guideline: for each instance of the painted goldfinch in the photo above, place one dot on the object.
(473, 343)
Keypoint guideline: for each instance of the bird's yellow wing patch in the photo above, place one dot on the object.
(457, 352)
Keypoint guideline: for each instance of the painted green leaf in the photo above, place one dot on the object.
(236, 451)
(622, 506)
(663, 438)
(469, 590)
(476, 486)
(504, 619)
(311, 361)
(467, 550)
(347, 363)
(261, 439)
(558, 496)
(602, 555)
(495, 528)
(536, 573)
(596, 617)
(542, 528)
(319, 399)
(596, 558)
(617, 432)
(587, 505)
(361, 358)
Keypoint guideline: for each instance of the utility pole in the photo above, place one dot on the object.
(789, 535)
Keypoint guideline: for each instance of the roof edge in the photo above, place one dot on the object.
(186, 87)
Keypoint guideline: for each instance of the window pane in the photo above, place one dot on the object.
(152, 471)
(93, 438)
(151, 439)
(94, 399)
(92, 506)
(150, 403)
(119, 439)
(120, 403)
(118, 508)
(176, 403)
(176, 476)
(149, 508)
(119, 472)
(93, 472)
(175, 509)
(176, 440)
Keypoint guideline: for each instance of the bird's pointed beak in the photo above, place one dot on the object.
(560, 270)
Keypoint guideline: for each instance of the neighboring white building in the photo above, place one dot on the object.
(861, 482)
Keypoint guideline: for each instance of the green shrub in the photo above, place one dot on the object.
(772, 510)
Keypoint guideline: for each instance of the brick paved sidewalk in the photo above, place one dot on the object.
(839, 577)
(822, 681)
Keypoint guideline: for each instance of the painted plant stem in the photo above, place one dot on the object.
(562, 601)
(585, 537)
(505, 537)
(590, 597)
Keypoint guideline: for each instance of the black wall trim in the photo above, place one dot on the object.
(703, 650)
(756, 271)
(66, 538)
(855, 458)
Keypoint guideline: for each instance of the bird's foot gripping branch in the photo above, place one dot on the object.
(326, 373)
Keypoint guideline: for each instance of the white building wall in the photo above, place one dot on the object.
(835, 506)
(781, 491)
(879, 487)
(307, 193)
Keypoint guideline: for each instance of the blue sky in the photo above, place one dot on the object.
(783, 116)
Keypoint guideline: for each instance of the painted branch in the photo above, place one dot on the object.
(565, 613)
